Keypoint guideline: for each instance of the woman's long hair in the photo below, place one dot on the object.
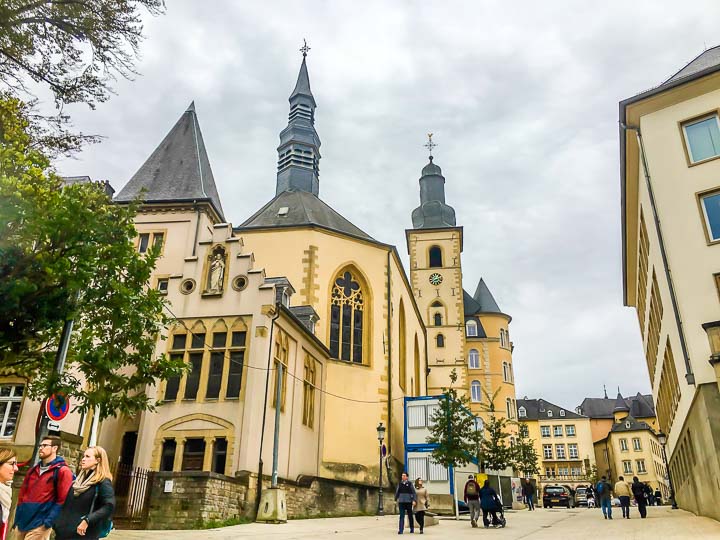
(102, 470)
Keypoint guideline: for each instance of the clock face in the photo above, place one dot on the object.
(435, 279)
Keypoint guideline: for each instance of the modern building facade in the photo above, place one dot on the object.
(670, 189)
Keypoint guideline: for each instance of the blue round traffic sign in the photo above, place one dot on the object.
(57, 406)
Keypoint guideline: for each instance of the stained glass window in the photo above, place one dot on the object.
(346, 319)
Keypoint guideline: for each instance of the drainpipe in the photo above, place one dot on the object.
(689, 375)
(262, 429)
(197, 227)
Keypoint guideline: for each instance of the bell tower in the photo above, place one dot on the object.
(435, 245)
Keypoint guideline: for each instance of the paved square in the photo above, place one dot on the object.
(661, 523)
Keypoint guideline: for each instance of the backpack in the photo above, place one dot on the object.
(470, 489)
(600, 487)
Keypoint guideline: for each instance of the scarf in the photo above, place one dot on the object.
(83, 482)
(5, 502)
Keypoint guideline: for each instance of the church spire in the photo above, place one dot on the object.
(433, 212)
(299, 150)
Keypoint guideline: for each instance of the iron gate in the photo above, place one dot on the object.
(132, 496)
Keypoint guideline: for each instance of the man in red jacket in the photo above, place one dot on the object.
(42, 493)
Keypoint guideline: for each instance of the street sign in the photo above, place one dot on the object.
(57, 406)
(53, 426)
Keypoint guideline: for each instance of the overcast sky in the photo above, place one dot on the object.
(522, 98)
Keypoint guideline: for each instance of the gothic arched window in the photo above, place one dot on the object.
(440, 341)
(347, 307)
(437, 319)
(436, 258)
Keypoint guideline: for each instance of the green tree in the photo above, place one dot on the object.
(66, 251)
(525, 458)
(75, 48)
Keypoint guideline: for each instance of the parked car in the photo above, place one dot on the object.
(580, 497)
(556, 496)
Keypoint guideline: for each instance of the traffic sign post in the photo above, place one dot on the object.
(57, 406)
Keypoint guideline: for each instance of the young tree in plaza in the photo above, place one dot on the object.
(67, 252)
(525, 458)
(454, 429)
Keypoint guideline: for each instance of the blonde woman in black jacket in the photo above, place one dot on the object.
(90, 503)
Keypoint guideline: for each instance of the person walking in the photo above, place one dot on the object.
(8, 468)
(90, 504)
(422, 503)
(471, 497)
(658, 497)
(604, 493)
(638, 491)
(528, 492)
(405, 496)
(42, 493)
(623, 492)
(488, 503)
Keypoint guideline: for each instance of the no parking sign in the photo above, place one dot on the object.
(57, 406)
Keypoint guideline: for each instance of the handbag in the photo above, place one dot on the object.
(105, 526)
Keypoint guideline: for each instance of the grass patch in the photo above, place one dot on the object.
(214, 524)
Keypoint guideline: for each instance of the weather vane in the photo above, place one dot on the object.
(430, 144)
(304, 49)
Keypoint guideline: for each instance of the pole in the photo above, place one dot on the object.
(58, 368)
(276, 438)
(94, 426)
(380, 509)
(667, 470)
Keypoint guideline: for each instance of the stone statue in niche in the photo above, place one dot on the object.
(216, 273)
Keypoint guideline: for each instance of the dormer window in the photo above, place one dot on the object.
(627, 425)
(549, 414)
(522, 412)
(562, 413)
(471, 329)
(285, 299)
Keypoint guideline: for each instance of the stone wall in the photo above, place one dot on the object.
(200, 497)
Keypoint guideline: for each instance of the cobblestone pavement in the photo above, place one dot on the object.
(555, 524)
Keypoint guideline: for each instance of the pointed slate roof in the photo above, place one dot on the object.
(620, 405)
(707, 59)
(485, 299)
(302, 86)
(630, 424)
(537, 409)
(178, 170)
(641, 406)
(299, 208)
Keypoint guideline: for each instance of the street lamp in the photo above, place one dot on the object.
(662, 439)
(381, 437)
(713, 333)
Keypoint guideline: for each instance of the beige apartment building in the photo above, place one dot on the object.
(563, 442)
(670, 196)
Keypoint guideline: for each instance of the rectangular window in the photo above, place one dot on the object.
(235, 373)
(702, 138)
(10, 400)
(179, 341)
(431, 412)
(416, 416)
(544, 431)
(238, 339)
(576, 471)
(143, 242)
(637, 446)
(217, 363)
(436, 472)
(418, 467)
(560, 451)
(653, 340)
(281, 357)
(643, 268)
(524, 431)
(219, 457)
(573, 450)
(172, 385)
(563, 471)
(623, 445)
(627, 467)
(158, 240)
(218, 340)
(557, 431)
(167, 458)
(198, 341)
(547, 451)
(640, 464)
(193, 455)
(192, 380)
(711, 212)
(570, 430)
(668, 391)
(162, 285)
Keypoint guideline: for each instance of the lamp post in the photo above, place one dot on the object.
(662, 439)
(381, 437)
